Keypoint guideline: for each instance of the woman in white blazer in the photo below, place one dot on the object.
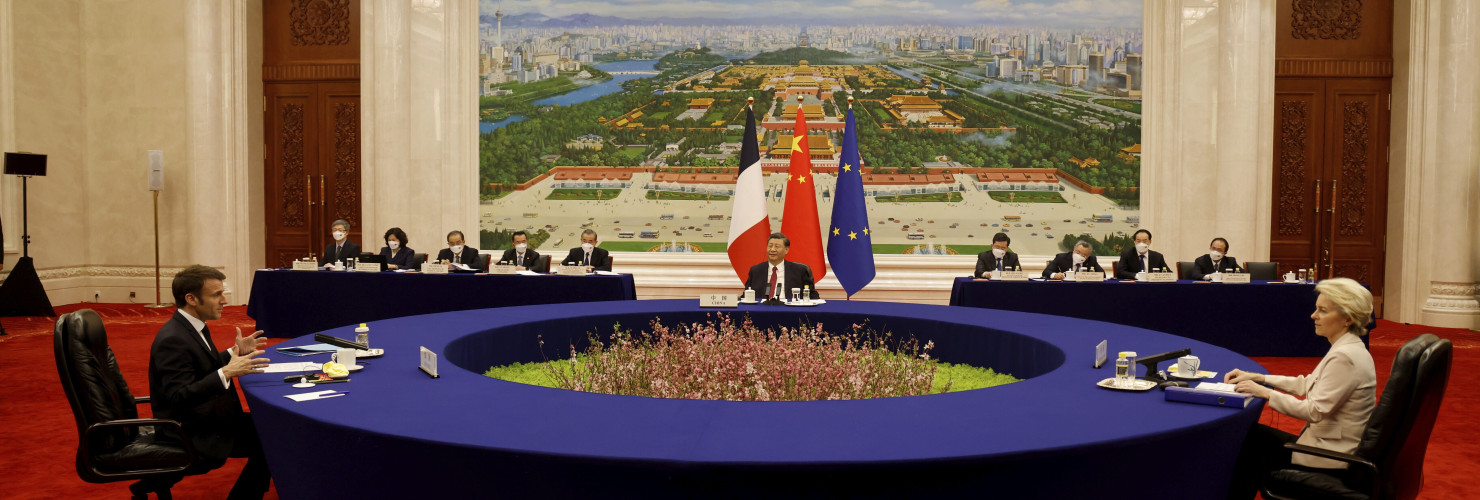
(1339, 395)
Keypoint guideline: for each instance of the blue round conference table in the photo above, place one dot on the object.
(402, 433)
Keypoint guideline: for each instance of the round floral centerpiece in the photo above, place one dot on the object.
(724, 360)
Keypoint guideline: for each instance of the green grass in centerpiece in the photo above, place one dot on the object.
(1027, 196)
(677, 196)
(583, 194)
(962, 377)
(950, 197)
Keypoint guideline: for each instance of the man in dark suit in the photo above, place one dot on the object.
(191, 381)
(521, 256)
(1216, 260)
(777, 276)
(341, 248)
(458, 253)
(998, 258)
(1140, 258)
(595, 259)
(1080, 259)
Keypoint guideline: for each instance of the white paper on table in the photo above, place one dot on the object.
(310, 395)
(606, 273)
(1215, 387)
(297, 367)
(463, 267)
(527, 272)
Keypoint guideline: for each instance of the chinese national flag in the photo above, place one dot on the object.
(799, 219)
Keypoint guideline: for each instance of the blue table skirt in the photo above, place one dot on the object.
(293, 303)
(401, 433)
(1257, 319)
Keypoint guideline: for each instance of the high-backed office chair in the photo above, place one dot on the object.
(487, 259)
(1388, 463)
(1267, 271)
(611, 262)
(544, 264)
(1114, 269)
(1184, 270)
(417, 259)
(113, 443)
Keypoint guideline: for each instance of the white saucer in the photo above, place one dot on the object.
(1292, 282)
(354, 368)
(749, 302)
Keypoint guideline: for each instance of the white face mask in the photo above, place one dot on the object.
(999, 252)
(1142, 247)
(587, 247)
(393, 244)
(1078, 259)
(520, 247)
(1215, 254)
(339, 235)
(456, 248)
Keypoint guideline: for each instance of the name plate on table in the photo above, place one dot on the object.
(501, 269)
(1014, 276)
(1236, 278)
(367, 267)
(1089, 277)
(1161, 277)
(572, 271)
(431, 268)
(718, 300)
(303, 265)
(429, 362)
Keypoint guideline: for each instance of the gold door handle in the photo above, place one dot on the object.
(1317, 203)
(1332, 209)
(308, 188)
(321, 191)
(1331, 247)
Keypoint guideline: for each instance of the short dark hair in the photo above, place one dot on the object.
(1215, 240)
(459, 235)
(778, 236)
(400, 236)
(1002, 237)
(519, 233)
(191, 280)
(1138, 233)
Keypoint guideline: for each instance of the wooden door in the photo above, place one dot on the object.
(1333, 81)
(1331, 141)
(311, 87)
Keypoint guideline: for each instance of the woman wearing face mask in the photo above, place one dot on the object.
(397, 254)
(341, 248)
(1339, 395)
(588, 255)
(1217, 260)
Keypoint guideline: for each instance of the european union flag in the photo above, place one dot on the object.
(850, 249)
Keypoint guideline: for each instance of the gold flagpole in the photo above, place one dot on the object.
(157, 303)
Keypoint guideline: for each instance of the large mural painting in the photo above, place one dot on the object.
(626, 117)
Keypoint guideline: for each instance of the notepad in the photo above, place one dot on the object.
(298, 367)
(307, 350)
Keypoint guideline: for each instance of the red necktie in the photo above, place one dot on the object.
(773, 282)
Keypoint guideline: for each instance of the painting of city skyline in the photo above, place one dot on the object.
(626, 117)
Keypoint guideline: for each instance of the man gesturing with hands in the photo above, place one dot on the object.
(192, 382)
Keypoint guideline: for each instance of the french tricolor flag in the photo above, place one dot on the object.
(750, 228)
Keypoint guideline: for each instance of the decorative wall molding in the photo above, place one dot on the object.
(1355, 134)
(295, 195)
(1346, 68)
(1453, 297)
(320, 22)
(1293, 118)
(310, 72)
(347, 162)
(58, 273)
(1326, 19)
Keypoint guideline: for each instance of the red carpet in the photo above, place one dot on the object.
(41, 439)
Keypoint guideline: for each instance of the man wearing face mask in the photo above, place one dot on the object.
(998, 258)
(1075, 261)
(341, 248)
(1139, 258)
(595, 259)
(521, 256)
(1217, 260)
(458, 253)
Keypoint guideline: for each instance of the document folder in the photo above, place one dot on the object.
(1214, 398)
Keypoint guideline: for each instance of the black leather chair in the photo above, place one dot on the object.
(1265, 271)
(417, 259)
(1184, 270)
(544, 264)
(1388, 463)
(113, 443)
(487, 259)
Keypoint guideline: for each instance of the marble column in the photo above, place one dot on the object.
(1208, 126)
(419, 121)
(1435, 177)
